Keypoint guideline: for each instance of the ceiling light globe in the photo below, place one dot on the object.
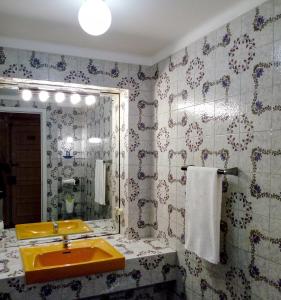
(43, 96)
(59, 97)
(94, 17)
(90, 100)
(26, 95)
(75, 99)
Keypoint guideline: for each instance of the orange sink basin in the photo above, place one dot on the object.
(46, 229)
(53, 262)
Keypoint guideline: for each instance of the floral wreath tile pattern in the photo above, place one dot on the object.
(73, 76)
(196, 66)
(134, 189)
(37, 64)
(241, 64)
(259, 71)
(151, 263)
(173, 66)
(132, 140)
(193, 263)
(163, 86)
(255, 238)
(141, 205)
(3, 57)
(93, 69)
(13, 69)
(207, 48)
(194, 137)
(141, 156)
(256, 156)
(162, 191)
(171, 177)
(142, 76)
(224, 81)
(163, 139)
(223, 154)
(245, 217)
(236, 276)
(181, 212)
(248, 128)
(204, 285)
(112, 278)
(223, 253)
(184, 118)
(260, 21)
(132, 85)
(141, 106)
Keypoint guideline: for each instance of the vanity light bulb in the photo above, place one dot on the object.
(94, 140)
(90, 100)
(26, 95)
(75, 98)
(69, 139)
(59, 97)
(43, 96)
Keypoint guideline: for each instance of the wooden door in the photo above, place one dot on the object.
(24, 182)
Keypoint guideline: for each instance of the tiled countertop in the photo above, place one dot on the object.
(148, 261)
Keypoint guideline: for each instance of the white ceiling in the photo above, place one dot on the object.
(142, 31)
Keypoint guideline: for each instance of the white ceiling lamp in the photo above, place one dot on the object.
(94, 17)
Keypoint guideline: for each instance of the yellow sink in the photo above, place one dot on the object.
(46, 229)
(54, 262)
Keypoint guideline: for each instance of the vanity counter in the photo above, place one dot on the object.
(148, 262)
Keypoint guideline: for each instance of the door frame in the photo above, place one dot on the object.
(43, 117)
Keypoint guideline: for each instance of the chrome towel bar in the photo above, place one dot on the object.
(231, 171)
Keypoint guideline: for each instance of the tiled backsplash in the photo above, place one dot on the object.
(215, 103)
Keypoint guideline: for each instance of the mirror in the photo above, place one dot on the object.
(59, 153)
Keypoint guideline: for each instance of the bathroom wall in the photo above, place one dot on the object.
(219, 106)
(136, 112)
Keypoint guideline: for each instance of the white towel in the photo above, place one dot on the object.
(100, 172)
(203, 212)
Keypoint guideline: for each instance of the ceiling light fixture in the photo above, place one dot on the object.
(43, 96)
(26, 95)
(94, 17)
(75, 98)
(59, 97)
(90, 100)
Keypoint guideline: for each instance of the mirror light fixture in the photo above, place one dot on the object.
(94, 140)
(43, 96)
(94, 17)
(90, 100)
(26, 95)
(75, 98)
(59, 97)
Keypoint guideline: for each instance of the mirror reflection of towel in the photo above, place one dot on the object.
(100, 173)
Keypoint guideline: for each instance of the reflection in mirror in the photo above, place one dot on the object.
(58, 153)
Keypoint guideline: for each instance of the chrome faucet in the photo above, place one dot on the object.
(65, 241)
(55, 226)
